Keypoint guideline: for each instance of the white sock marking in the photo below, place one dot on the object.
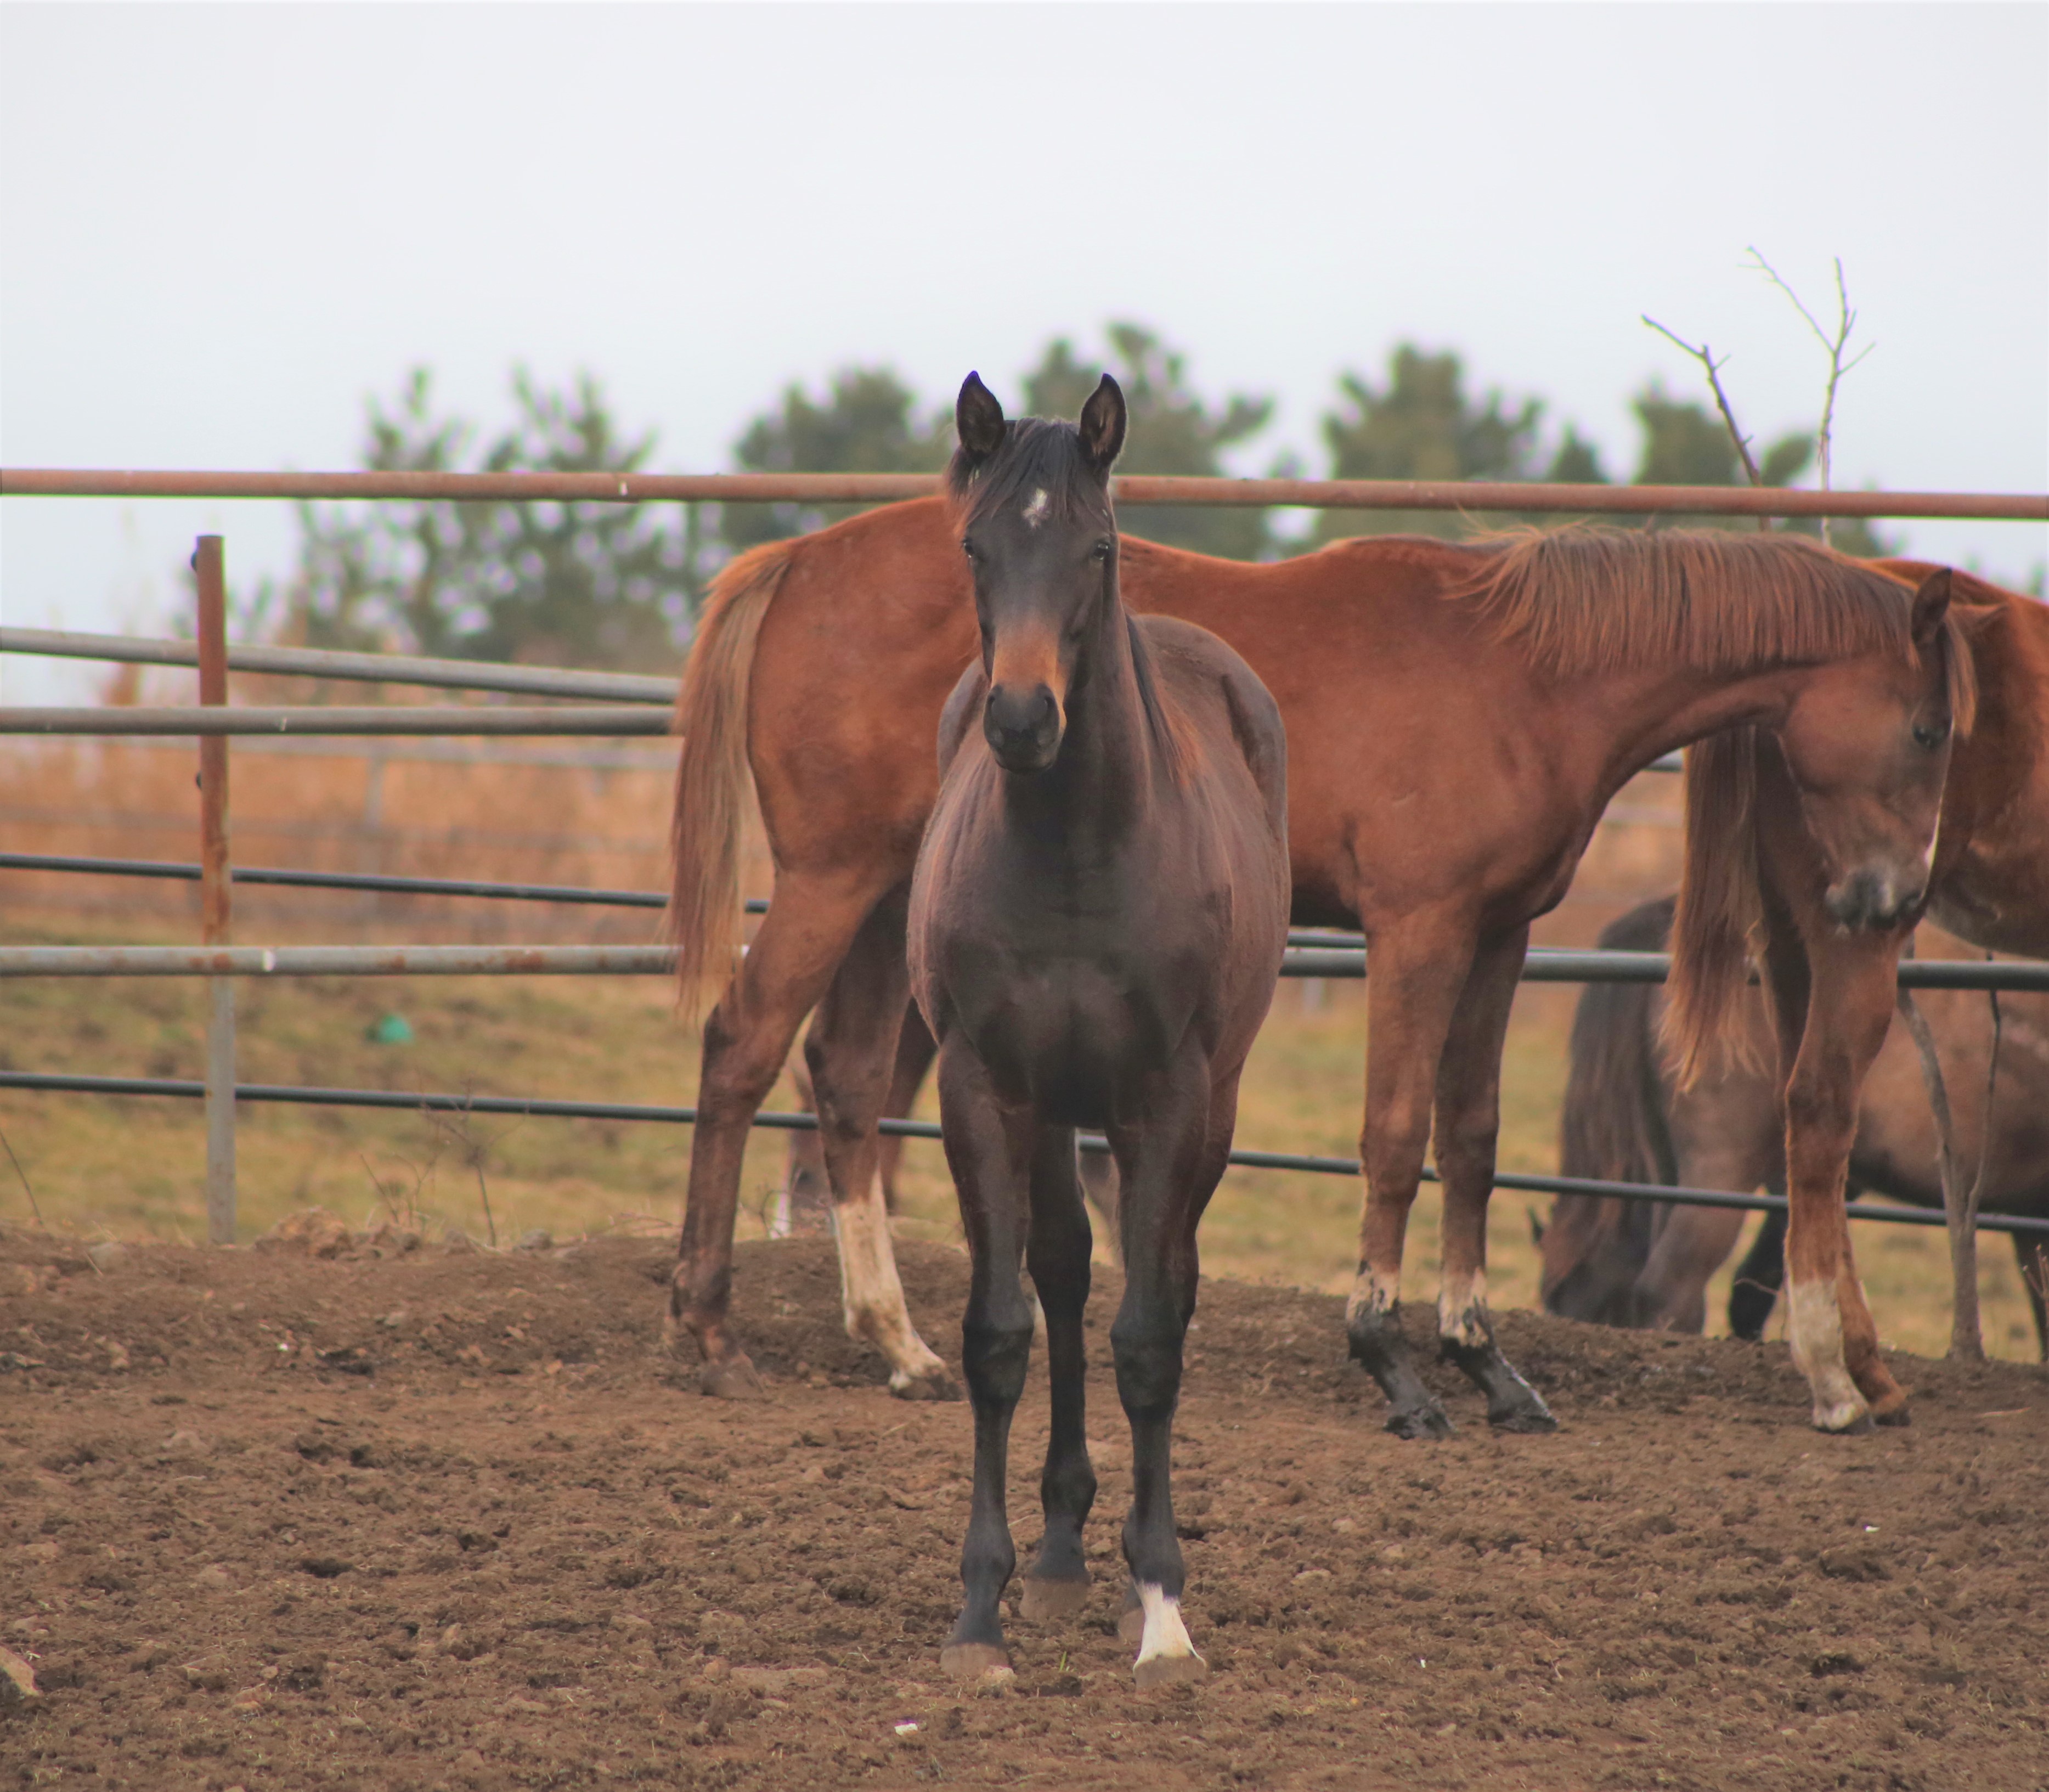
(1814, 1323)
(1165, 1633)
(1462, 1308)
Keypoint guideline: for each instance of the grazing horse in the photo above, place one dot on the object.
(1759, 880)
(1458, 718)
(1625, 1119)
(1096, 922)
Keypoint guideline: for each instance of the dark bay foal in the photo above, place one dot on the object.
(1096, 923)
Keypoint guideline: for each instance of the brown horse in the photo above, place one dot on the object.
(1458, 718)
(1625, 1119)
(1096, 922)
(1758, 880)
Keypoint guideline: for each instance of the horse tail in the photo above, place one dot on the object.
(1613, 1127)
(713, 773)
(1719, 909)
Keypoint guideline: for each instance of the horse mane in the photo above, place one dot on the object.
(1588, 599)
(1038, 454)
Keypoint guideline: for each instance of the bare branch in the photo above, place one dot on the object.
(1705, 357)
(35, 1206)
(1846, 323)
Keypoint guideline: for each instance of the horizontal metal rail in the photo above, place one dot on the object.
(403, 1100)
(1322, 494)
(368, 668)
(307, 719)
(1542, 964)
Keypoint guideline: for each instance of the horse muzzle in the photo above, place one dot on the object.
(1023, 725)
(1875, 901)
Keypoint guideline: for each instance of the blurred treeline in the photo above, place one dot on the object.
(618, 585)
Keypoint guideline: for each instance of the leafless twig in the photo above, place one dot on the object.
(34, 1207)
(1714, 368)
(474, 1151)
(1846, 323)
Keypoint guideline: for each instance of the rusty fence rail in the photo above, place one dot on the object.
(1261, 494)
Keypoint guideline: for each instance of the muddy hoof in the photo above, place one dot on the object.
(1169, 1670)
(1900, 1415)
(1843, 1422)
(1131, 1625)
(734, 1379)
(1432, 1420)
(1527, 1419)
(1046, 1600)
(931, 1386)
(974, 1661)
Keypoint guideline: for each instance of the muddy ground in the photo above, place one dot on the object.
(438, 1518)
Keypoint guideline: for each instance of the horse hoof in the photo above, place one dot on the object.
(1529, 1420)
(1851, 1419)
(1432, 1420)
(933, 1384)
(1901, 1415)
(1169, 1670)
(735, 1378)
(1046, 1600)
(1131, 1627)
(976, 1661)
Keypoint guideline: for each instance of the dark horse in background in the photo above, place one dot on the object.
(1759, 882)
(1096, 922)
(1626, 1119)
(1458, 718)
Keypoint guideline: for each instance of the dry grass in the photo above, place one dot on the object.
(135, 1167)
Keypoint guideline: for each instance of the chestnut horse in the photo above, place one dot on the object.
(1097, 919)
(1648, 1263)
(1458, 717)
(1764, 885)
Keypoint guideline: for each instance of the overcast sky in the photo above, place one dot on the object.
(222, 228)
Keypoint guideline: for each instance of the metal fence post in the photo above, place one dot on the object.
(215, 911)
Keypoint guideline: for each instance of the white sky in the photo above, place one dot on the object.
(222, 227)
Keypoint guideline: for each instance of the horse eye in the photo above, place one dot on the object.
(1100, 550)
(967, 547)
(1929, 735)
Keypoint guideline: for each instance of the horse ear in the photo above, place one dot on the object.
(1931, 607)
(978, 419)
(1102, 426)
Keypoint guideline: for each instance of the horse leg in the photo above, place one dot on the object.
(1468, 1120)
(1848, 1011)
(1416, 975)
(989, 1152)
(1056, 1251)
(1758, 1278)
(915, 1053)
(1099, 1185)
(848, 1050)
(746, 1042)
(806, 1202)
(2031, 1256)
(1168, 1165)
(1671, 1290)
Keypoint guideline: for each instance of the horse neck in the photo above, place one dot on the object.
(1100, 782)
(1651, 711)
(1996, 803)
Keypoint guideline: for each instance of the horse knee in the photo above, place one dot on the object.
(995, 1358)
(737, 1074)
(1148, 1369)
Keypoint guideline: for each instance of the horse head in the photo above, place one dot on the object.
(1040, 538)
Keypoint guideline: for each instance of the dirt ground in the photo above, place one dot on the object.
(437, 1518)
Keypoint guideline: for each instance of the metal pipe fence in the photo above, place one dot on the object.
(871, 488)
(1313, 953)
(540, 1107)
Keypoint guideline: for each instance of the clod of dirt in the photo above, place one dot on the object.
(324, 1568)
(108, 1257)
(535, 1240)
(311, 1232)
(458, 1243)
(214, 1578)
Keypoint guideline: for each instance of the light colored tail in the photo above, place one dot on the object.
(1720, 906)
(712, 771)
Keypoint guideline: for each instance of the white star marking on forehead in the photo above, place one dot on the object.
(1034, 512)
